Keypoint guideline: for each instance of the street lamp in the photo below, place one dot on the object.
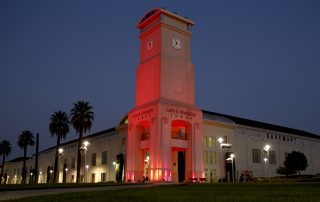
(51, 171)
(85, 148)
(265, 165)
(60, 150)
(86, 171)
(232, 170)
(86, 143)
(40, 176)
(115, 167)
(220, 140)
(267, 148)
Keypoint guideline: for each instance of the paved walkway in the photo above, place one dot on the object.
(7, 195)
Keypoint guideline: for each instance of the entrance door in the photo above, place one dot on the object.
(181, 166)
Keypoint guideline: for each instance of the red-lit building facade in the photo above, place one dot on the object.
(165, 126)
(166, 137)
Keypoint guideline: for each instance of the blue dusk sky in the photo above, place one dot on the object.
(254, 59)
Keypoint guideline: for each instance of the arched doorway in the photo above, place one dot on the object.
(180, 135)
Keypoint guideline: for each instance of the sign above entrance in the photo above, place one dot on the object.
(181, 113)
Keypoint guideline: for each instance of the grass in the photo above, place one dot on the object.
(15, 187)
(262, 192)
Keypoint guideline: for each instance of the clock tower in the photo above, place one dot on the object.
(164, 132)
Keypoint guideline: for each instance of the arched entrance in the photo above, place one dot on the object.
(180, 135)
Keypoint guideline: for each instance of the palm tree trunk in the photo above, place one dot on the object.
(24, 172)
(79, 156)
(3, 160)
(56, 162)
(36, 176)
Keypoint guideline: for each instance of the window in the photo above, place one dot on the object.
(93, 178)
(104, 158)
(205, 141)
(103, 177)
(205, 157)
(73, 162)
(272, 157)
(212, 157)
(65, 162)
(256, 156)
(93, 159)
(82, 160)
(211, 142)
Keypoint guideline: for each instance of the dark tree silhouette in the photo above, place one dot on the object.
(25, 140)
(81, 118)
(285, 171)
(296, 161)
(58, 127)
(5, 150)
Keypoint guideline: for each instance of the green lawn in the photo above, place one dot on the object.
(14, 187)
(261, 192)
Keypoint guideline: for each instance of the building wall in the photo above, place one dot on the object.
(243, 139)
(246, 139)
(113, 143)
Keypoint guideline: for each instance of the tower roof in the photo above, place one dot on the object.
(154, 13)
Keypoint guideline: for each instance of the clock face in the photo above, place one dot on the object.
(176, 43)
(150, 44)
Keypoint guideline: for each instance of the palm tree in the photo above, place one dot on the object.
(5, 150)
(59, 126)
(25, 140)
(81, 119)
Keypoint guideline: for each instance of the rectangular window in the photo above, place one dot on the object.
(73, 162)
(65, 162)
(272, 157)
(104, 158)
(210, 141)
(256, 156)
(205, 141)
(93, 159)
(212, 157)
(205, 157)
(93, 178)
(103, 177)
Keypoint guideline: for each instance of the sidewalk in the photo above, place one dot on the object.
(8, 195)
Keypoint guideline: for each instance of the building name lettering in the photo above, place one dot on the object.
(142, 113)
(181, 112)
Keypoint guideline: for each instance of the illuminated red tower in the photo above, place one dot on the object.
(164, 133)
